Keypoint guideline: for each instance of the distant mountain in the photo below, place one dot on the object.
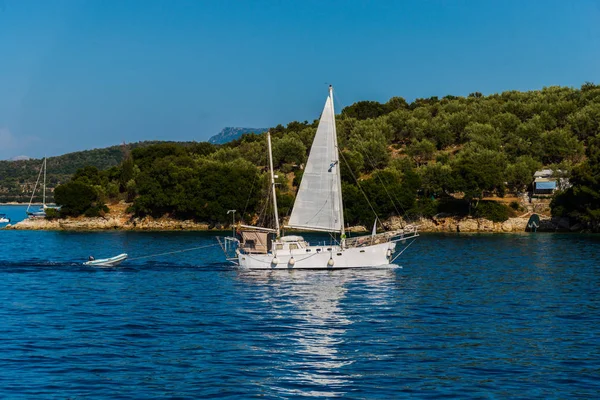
(20, 158)
(228, 134)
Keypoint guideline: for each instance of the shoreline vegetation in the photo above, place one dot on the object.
(470, 159)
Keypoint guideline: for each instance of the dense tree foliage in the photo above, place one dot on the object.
(432, 155)
(582, 201)
(77, 197)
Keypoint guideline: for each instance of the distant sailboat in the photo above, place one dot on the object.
(318, 207)
(41, 212)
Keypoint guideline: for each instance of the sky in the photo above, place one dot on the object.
(82, 74)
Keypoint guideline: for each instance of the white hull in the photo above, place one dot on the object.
(375, 256)
(107, 262)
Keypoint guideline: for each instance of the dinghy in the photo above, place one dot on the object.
(107, 262)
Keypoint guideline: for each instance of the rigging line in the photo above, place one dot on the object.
(335, 95)
(386, 191)
(262, 213)
(174, 252)
(35, 187)
(358, 184)
(249, 195)
(399, 254)
(382, 183)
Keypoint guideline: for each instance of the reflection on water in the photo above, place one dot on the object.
(310, 303)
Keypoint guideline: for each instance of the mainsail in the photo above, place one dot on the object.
(318, 205)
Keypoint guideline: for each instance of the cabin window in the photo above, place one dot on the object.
(293, 246)
(329, 249)
(362, 251)
(339, 254)
(318, 250)
(308, 250)
(279, 246)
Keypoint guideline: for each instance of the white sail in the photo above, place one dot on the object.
(318, 205)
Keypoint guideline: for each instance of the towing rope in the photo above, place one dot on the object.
(174, 252)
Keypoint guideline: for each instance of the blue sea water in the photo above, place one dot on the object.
(466, 316)
(15, 213)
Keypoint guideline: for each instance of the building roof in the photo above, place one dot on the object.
(543, 173)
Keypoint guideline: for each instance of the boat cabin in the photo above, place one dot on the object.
(256, 242)
(292, 242)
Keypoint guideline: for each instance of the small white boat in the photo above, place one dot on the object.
(4, 219)
(107, 262)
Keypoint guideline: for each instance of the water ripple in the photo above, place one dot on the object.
(467, 316)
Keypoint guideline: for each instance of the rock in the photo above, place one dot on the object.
(468, 225)
(485, 225)
(506, 226)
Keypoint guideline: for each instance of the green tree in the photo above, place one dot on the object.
(369, 138)
(477, 171)
(560, 144)
(436, 179)
(76, 198)
(421, 151)
(484, 135)
(581, 201)
(519, 175)
(288, 150)
(352, 164)
(585, 123)
(365, 110)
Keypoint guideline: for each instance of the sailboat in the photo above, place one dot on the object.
(41, 212)
(319, 208)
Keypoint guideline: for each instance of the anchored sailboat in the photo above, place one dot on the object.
(318, 207)
(41, 212)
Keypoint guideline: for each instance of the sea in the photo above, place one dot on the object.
(461, 316)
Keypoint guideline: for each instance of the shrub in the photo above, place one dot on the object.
(96, 211)
(493, 211)
(75, 198)
(424, 207)
(52, 213)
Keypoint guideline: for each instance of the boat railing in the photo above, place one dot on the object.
(408, 232)
(229, 245)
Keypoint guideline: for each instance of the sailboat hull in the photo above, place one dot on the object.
(318, 257)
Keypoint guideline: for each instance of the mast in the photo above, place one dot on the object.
(338, 169)
(35, 187)
(273, 185)
(44, 192)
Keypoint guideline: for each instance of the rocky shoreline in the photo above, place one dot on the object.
(436, 224)
(109, 223)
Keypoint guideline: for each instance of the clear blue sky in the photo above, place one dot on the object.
(82, 74)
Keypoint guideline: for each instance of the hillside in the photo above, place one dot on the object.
(451, 156)
(229, 134)
(17, 177)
